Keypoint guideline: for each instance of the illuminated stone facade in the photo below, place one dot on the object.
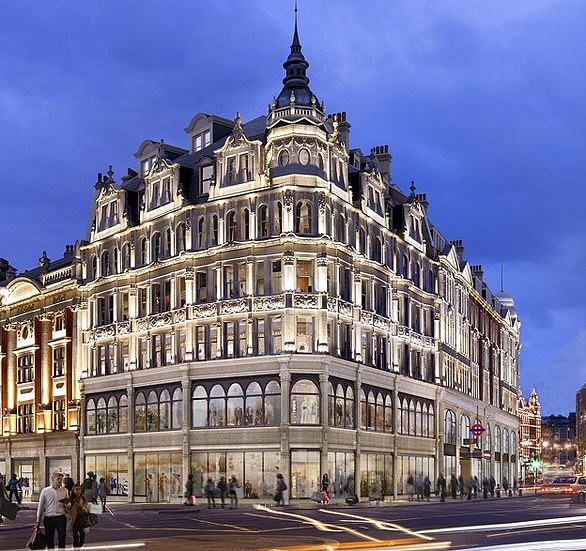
(267, 299)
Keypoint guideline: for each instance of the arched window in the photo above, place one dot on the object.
(488, 439)
(464, 428)
(305, 404)
(116, 260)
(418, 419)
(168, 244)
(156, 252)
(245, 224)
(180, 238)
(105, 264)
(93, 267)
(112, 417)
(404, 416)
(513, 443)
(303, 218)
(140, 412)
(272, 403)
(217, 416)
(377, 250)
(200, 233)
(278, 213)
(90, 417)
(123, 414)
(164, 411)
(143, 251)
(126, 256)
(152, 412)
(235, 405)
(450, 427)
(505, 441)
(199, 407)
(389, 414)
(253, 409)
(361, 240)
(341, 406)
(412, 421)
(101, 416)
(379, 422)
(497, 439)
(263, 221)
(371, 412)
(231, 227)
(214, 236)
(405, 267)
(340, 226)
(416, 274)
(177, 409)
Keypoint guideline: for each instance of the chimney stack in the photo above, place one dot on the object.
(381, 152)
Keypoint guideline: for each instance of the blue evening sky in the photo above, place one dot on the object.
(483, 105)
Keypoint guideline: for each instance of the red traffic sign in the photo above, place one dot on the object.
(477, 429)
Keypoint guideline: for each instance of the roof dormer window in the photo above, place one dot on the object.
(202, 140)
(146, 165)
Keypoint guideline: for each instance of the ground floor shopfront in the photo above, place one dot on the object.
(33, 457)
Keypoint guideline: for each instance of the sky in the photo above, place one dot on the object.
(482, 104)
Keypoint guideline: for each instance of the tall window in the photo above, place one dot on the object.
(105, 264)
(231, 227)
(304, 276)
(126, 256)
(245, 224)
(278, 218)
(341, 405)
(214, 233)
(303, 218)
(305, 404)
(207, 175)
(180, 238)
(276, 276)
(450, 427)
(58, 361)
(263, 221)
(156, 255)
(200, 233)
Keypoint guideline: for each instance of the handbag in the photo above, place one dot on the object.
(8, 509)
(95, 508)
(87, 519)
(317, 496)
(37, 540)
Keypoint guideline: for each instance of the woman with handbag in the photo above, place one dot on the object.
(78, 506)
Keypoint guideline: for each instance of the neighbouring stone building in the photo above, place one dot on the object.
(264, 299)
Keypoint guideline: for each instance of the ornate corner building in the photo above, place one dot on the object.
(265, 299)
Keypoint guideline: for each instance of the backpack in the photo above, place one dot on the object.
(88, 484)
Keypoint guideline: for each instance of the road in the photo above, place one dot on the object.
(308, 526)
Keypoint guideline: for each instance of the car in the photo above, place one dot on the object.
(573, 486)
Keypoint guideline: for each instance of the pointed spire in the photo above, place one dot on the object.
(296, 80)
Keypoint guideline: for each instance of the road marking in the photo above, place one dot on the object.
(505, 525)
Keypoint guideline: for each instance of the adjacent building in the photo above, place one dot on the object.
(263, 299)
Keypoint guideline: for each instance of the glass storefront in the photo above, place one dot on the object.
(158, 477)
(29, 470)
(255, 471)
(340, 466)
(415, 465)
(376, 475)
(112, 467)
(305, 473)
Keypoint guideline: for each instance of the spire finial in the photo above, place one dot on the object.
(412, 188)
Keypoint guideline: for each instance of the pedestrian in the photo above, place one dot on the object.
(491, 485)
(453, 485)
(350, 489)
(51, 511)
(419, 486)
(189, 491)
(461, 486)
(103, 493)
(232, 492)
(90, 488)
(475, 486)
(410, 487)
(223, 489)
(210, 490)
(506, 485)
(441, 487)
(325, 488)
(14, 489)
(485, 487)
(426, 488)
(77, 504)
(280, 490)
(3, 494)
(163, 482)
(68, 483)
